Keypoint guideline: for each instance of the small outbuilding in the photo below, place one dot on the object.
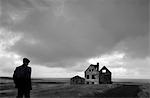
(77, 80)
(104, 76)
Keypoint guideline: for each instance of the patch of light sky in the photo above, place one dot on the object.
(108, 59)
(115, 62)
(8, 38)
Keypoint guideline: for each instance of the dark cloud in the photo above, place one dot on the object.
(57, 31)
(137, 47)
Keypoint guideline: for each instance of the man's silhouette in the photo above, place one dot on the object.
(22, 79)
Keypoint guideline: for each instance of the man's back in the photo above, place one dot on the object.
(22, 77)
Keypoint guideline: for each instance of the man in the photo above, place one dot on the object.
(22, 79)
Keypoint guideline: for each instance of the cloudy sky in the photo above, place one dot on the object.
(63, 37)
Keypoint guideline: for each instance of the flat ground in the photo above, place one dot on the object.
(95, 91)
(125, 91)
(62, 89)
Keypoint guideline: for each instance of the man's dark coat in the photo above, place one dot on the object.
(22, 77)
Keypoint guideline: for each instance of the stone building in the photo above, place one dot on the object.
(92, 74)
(77, 80)
(104, 76)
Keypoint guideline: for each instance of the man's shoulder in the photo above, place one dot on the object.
(20, 67)
(29, 68)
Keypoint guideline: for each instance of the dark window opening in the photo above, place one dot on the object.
(92, 82)
(87, 82)
(93, 77)
(87, 76)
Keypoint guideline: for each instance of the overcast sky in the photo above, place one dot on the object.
(63, 37)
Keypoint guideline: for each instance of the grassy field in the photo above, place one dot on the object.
(60, 88)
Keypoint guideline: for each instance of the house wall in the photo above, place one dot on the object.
(100, 77)
(77, 81)
(92, 71)
(104, 78)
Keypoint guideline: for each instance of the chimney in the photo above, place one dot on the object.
(97, 66)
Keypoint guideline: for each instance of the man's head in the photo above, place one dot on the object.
(26, 61)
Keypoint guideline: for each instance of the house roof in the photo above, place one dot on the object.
(104, 67)
(77, 77)
(91, 65)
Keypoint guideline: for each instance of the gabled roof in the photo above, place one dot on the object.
(104, 67)
(90, 66)
(75, 77)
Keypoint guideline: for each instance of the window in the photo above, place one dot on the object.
(92, 82)
(87, 76)
(93, 77)
(87, 82)
(103, 71)
(89, 70)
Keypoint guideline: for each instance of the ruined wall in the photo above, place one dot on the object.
(92, 75)
(104, 76)
(77, 80)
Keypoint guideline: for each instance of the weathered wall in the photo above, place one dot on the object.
(77, 80)
(92, 71)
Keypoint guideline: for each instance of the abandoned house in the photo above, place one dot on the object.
(77, 80)
(104, 76)
(92, 74)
